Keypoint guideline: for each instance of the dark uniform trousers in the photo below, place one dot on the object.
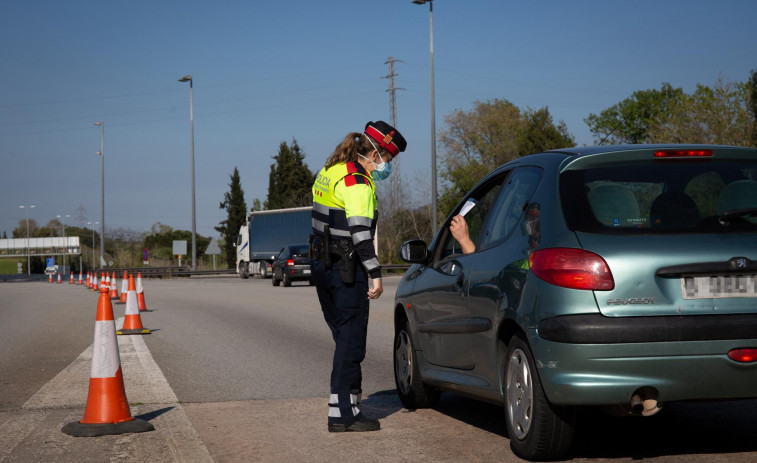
(345, 308)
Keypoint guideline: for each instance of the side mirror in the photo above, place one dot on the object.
(414, 251)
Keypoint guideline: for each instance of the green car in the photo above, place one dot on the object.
(621, 277)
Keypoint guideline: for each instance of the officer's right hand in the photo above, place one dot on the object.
(376, 288)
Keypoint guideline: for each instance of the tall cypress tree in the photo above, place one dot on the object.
(233, 202)
(290, 181)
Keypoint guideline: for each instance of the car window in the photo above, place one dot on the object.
(300, 251)
(660, 198)
(283, 253)
(511, 206)
(485, 197)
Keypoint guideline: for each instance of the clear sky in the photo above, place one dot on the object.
(267, 72)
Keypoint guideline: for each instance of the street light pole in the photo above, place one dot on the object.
(93, 243)
(28, 256)
(101, 124)
(188, 78)
(434, 221)
(63, 223)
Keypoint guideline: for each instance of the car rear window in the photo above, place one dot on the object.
(300, 251)
(673, 197)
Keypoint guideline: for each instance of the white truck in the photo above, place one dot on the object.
(263, 235)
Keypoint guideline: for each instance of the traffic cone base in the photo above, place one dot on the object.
(78, 429)
(135, 331)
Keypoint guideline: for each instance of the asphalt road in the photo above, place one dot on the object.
(237, 370)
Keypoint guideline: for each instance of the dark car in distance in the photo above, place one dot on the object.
(615, 277)
(292, 264)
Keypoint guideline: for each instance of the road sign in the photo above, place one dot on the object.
(179, 247)
(213, 248)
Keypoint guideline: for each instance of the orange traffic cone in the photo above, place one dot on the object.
(124, 288)
(107, 409)
(58, 277)
(50, 278)
(80, 280)
(113, 289)
(132, 320)
(71, 278)
(140, 293)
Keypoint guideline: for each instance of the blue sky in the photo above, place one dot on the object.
(269, 72)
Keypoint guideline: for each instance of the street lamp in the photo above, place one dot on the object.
(188, 78)
(433, 114)
(93, 242)
(65, 245)
(101, 124)
(28, 256)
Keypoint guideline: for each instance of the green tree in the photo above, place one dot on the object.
(629, 121)
(290, 181)
(236, 210)
(491, 134)
(717, 115)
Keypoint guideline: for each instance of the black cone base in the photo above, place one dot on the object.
(78, 429)
(142, 331)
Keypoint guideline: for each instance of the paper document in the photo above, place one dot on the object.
(468, 206)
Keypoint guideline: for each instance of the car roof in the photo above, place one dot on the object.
(589, 150)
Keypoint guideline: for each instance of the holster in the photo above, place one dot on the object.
(347, 264)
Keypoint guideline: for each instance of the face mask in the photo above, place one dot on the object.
(382, 170)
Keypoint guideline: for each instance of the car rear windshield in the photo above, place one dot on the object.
(665, 198)
(300, 251)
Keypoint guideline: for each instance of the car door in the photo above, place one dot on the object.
(511, 233)
(440, 304)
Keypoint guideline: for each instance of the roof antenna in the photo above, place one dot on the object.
(614, 128)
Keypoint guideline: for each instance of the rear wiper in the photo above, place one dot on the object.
(724, 216)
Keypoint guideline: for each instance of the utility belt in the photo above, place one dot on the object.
(340, 252)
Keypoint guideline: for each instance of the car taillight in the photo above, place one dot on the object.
(682, 153)
(743, 355)
(290, 262)
(572, 268)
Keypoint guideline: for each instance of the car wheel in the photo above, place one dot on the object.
(413, 393)
(274, 281)
(286, 280)
(537, 429)
(243, 272)
(263, 269)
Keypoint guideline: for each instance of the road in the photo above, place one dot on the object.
(237, 371)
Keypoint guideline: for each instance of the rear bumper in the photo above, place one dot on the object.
(598, 329)
(297, 272)
(610, 373)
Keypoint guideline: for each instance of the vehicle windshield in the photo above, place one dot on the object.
(662, 198)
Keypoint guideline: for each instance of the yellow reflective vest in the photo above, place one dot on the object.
(344, 198)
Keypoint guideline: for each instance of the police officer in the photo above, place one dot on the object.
(344, 258)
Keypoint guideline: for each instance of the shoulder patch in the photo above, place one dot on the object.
(355, 179)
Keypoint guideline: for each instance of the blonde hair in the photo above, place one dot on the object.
(352, 145)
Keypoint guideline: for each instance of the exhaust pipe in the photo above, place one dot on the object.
(644, 402)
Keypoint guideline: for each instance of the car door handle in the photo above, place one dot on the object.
(460, 283)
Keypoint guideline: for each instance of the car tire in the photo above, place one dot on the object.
(243, 271)
(263, 269)
(538, 430)
(274, 281)
(287, 281)
(413, 393)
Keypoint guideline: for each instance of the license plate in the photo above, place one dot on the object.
(719, 286)
(306, 271)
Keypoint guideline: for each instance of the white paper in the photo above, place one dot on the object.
(468, 206)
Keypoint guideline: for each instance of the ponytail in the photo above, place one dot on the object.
(347, 151)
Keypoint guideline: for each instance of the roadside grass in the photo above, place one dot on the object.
(9, 265)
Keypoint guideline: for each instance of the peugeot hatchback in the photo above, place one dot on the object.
(622, 277)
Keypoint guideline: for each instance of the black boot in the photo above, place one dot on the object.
(362, 424)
